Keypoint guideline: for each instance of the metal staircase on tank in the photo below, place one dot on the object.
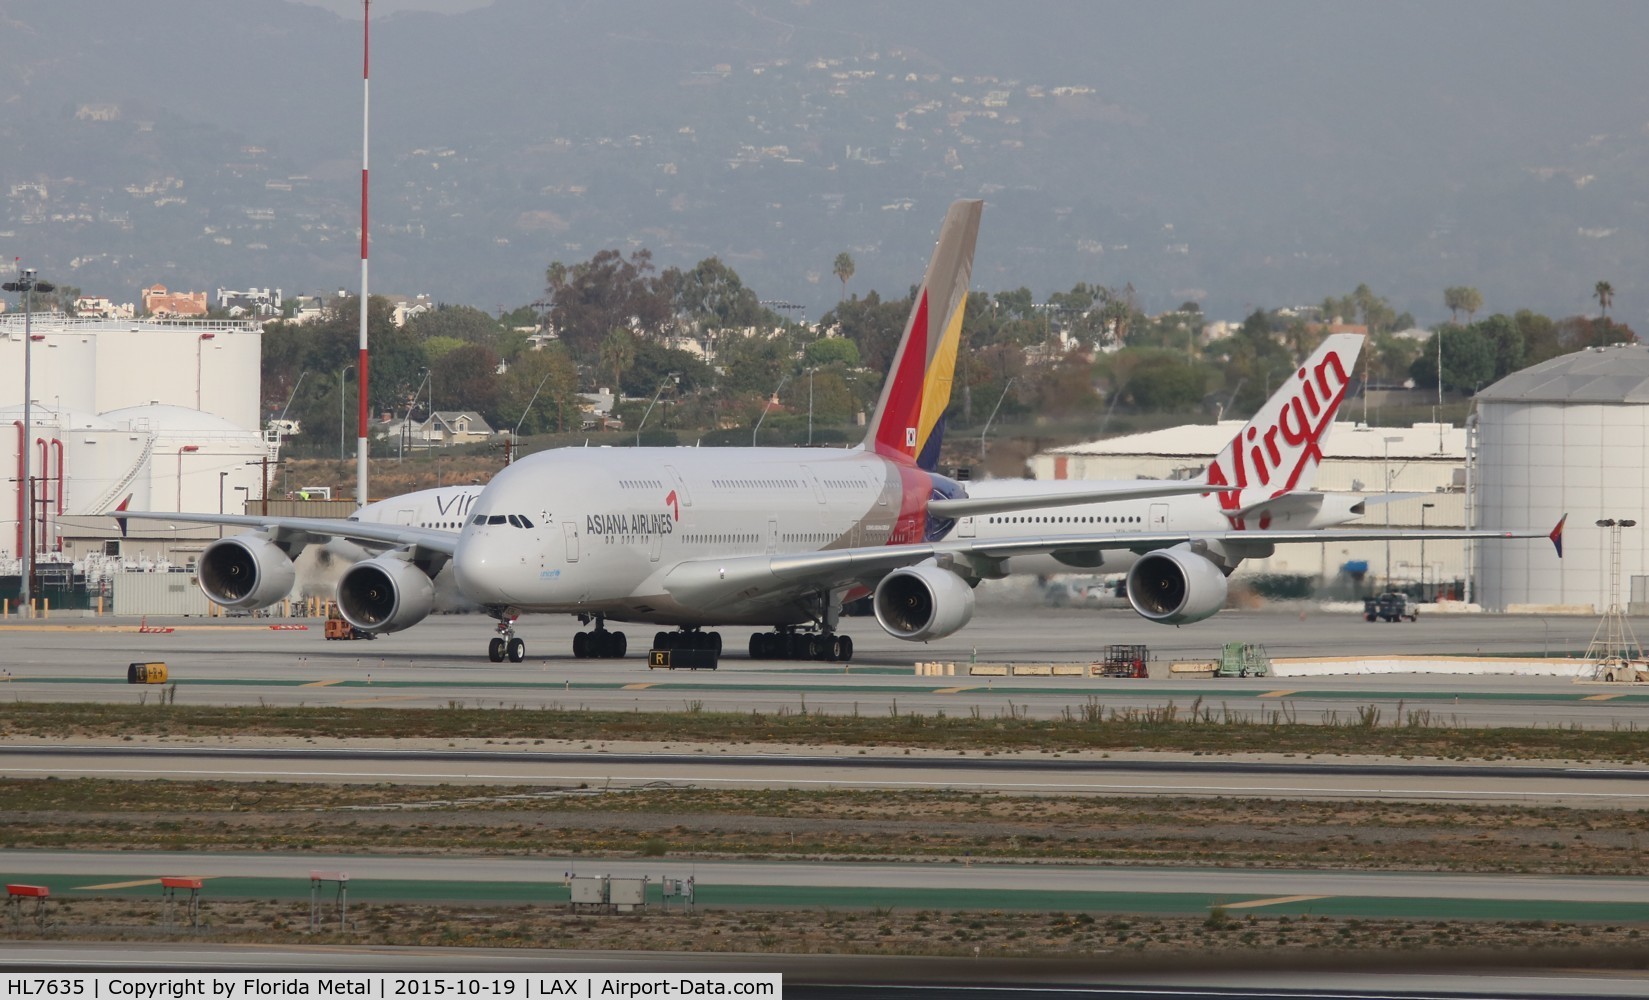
(106, 502)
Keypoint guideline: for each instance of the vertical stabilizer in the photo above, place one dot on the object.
(1281, 447)
(909, 420)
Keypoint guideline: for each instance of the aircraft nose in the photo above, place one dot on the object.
(485, 569)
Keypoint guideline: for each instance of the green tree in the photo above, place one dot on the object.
(872, 325)
(556, 408)
(843, 270)
(463, 323)
(712, 297)
(1164, 380)
(653, 363)
(467, 379)
(590, 299)
(832, 350)
(1462, 299)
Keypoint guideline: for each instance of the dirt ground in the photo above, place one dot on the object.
(1119, 941)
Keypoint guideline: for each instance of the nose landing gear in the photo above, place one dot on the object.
(505, 643)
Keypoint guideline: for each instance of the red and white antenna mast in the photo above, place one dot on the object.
(361, 495)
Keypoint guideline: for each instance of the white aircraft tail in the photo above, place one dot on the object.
(1279, 450)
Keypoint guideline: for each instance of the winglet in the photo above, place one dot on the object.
(121, 520)
(1557, 536)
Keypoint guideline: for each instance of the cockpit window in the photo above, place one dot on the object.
(524, 522)
(480, 519)
(496, 519)
(516, 521)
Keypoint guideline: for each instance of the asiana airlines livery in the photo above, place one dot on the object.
(774, 539)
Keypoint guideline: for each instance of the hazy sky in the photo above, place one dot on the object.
(352, 8)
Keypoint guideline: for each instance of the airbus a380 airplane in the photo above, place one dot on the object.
(770, 538)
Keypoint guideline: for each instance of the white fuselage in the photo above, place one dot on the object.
(599, 531)
(1189, 513)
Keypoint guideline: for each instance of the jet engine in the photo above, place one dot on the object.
(246, 572)
(1176, 586)
(919, 603)
(385, 594)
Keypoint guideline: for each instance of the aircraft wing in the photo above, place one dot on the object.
(1237, 541)
(299, 530)
(764, 578)
(975, 506)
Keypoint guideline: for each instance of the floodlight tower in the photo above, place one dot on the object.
(28, 283)
(361, 497)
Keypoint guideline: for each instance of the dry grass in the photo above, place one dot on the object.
(819, 825)
(1193, 728)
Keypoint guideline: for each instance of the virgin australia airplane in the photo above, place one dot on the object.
(692, 538)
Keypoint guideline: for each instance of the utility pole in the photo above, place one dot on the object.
(28, 284)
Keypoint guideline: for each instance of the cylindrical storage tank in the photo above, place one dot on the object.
(1568, 435)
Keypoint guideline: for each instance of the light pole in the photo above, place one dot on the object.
(341, 373)
(1614, 643)
(757, 429)
(406, 421)
(191, 448)
(1423, 508)
(671, 378)
(1387, 505)
(988, 421)
(221, 477)
(28, 284)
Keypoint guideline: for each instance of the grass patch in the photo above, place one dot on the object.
(1166, 728)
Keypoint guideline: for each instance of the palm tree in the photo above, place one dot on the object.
(618, 352)
(843, 270)
(1605, 295)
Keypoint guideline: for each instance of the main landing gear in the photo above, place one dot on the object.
(788, 644)
(688, 639)
(598, 643)
(505, 643)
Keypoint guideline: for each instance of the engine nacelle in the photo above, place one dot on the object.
(245, 572)
(385, 595)
(919, 603)
(1176, 586)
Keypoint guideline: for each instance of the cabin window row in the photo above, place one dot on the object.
(756, 484)
(640, 484)
(720, 539)
(1047, 519)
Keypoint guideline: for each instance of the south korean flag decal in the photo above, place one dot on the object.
(910, 437)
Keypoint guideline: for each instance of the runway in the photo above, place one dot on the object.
(439, 664)
(1024, 774)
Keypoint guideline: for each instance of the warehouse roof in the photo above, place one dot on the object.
(1616, 374)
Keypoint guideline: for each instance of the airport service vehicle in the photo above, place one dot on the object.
(768, 538)
(1390, 607)
(1243, 659)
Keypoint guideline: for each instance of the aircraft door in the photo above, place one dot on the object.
(1158, 517)
(682, 492)
(965, 528)
(657, 547)
(404, 515)
(772, 536)
(818, 487)
(570, 530)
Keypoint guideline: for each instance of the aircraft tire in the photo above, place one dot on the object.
(715, 642)
(517, 650)
(620, 645)
(661, 640)
(847, 648)
(581, 645)
(495, 650)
